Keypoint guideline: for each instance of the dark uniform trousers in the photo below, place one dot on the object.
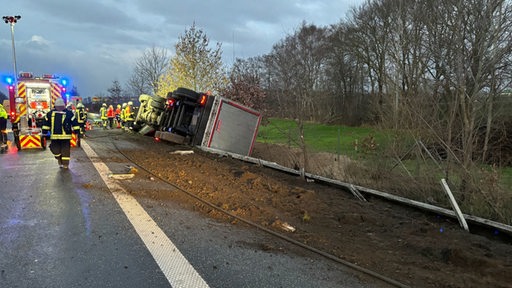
(61, 149)
(3, 132)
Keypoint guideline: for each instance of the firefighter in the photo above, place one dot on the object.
(129, 115)
(59, 125)
(103, 115)
(123, 117)
(81, 118)
(70, 107)
(3, 128)
(111, 115)
(118, 115)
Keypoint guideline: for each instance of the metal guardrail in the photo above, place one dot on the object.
(402, 200)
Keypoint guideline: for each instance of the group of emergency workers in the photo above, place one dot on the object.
(64, 120)
(123, 116)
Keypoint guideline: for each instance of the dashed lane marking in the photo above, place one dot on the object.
(174, 265)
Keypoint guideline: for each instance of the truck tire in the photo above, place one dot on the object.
(158, 102)
(157, 105)
(186, 93)
(136, 126)
(158, 99)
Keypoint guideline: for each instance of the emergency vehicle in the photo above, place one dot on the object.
(198, 119)
(30, 100)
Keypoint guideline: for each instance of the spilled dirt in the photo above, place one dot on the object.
(413, 247)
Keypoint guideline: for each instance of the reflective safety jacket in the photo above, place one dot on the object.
(60, 124)
(110, 112)
(128, 113)
(103, 113)
(3, 113)
(81, 115)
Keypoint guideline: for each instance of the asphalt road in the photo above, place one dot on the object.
(78, 228)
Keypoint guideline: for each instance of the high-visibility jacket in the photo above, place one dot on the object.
(60, 124)
(81, 115)
(128, 113)
(3, 112)
(103, 113)
(110, 112)
(122, 116)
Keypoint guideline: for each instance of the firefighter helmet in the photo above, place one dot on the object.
(80, 105)
(104, 105)
(130, 103)
(124, 105)
(59, 103)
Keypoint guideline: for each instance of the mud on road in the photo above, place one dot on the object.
(414, 248)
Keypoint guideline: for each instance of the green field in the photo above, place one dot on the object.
(341, 140)
(319, 137)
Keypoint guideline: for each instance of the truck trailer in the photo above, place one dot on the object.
(198, 119)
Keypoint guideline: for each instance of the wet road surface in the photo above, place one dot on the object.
(78, 228)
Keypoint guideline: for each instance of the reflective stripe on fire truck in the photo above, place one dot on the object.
(30, 141)
(55, 92)
(73, 142)
(21, 107)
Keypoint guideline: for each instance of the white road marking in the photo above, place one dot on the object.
(174, 265)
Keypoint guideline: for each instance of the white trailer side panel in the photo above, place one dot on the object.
(234, 128)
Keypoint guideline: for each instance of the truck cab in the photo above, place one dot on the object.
(175, 118)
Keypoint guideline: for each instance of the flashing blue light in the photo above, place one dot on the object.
(64, 81)
(9, 80)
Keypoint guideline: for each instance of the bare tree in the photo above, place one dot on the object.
(138, 84)
(245, 84)
(298, 63)
(148, 70)
(345, 79)
(115, 91)
(370, 42)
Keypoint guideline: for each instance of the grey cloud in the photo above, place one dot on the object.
(97, 41)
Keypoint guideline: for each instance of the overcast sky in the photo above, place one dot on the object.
(94, 42)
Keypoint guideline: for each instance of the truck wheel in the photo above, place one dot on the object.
(158, 99)
(187, 93)
(157, 105)
(158, 102)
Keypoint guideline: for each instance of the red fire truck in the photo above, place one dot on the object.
(29, 101)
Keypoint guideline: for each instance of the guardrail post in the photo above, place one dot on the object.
(454, 204)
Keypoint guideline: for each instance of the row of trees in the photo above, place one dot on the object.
(439, 70)
(440, 66)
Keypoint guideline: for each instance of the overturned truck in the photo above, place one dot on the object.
(198, 119)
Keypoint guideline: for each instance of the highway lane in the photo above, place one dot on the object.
(62, 228)
(65, 228)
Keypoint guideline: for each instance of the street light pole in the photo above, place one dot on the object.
(12, 20)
